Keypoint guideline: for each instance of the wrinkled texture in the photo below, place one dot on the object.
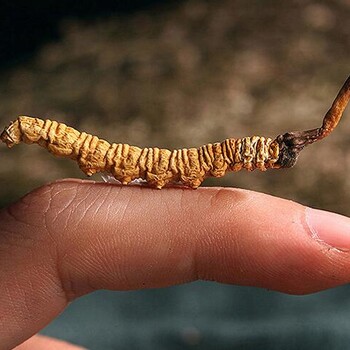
(157, 166)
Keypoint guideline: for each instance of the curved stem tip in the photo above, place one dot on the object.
(292, 143)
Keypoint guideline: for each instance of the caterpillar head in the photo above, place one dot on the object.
(12, 134)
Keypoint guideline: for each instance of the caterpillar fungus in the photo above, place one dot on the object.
(161, 166)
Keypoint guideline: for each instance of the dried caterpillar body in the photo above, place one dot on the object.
(157, 166)
(161, 166)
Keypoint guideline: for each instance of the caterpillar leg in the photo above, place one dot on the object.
(194, 183)
(158, 181)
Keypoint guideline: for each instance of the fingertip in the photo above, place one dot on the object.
(266, 242)
(329, 228)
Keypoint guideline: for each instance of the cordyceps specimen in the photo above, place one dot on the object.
(161, 166)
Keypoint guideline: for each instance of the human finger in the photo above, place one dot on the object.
(71, 237)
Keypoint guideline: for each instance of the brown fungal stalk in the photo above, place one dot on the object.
(292, 143)
(161, 166)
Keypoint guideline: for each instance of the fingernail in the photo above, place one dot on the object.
(333, 229)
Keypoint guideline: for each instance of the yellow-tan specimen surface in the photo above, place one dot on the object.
(155, 165)
(160, 166)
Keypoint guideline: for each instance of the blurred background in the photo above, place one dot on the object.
(179, 74)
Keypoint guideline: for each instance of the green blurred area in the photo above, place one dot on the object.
(187, 74)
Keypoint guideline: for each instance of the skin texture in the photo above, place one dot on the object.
(72, 237)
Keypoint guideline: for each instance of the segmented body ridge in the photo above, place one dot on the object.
(157, 166)
(160, 166)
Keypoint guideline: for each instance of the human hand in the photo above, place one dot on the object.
(72, 237)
